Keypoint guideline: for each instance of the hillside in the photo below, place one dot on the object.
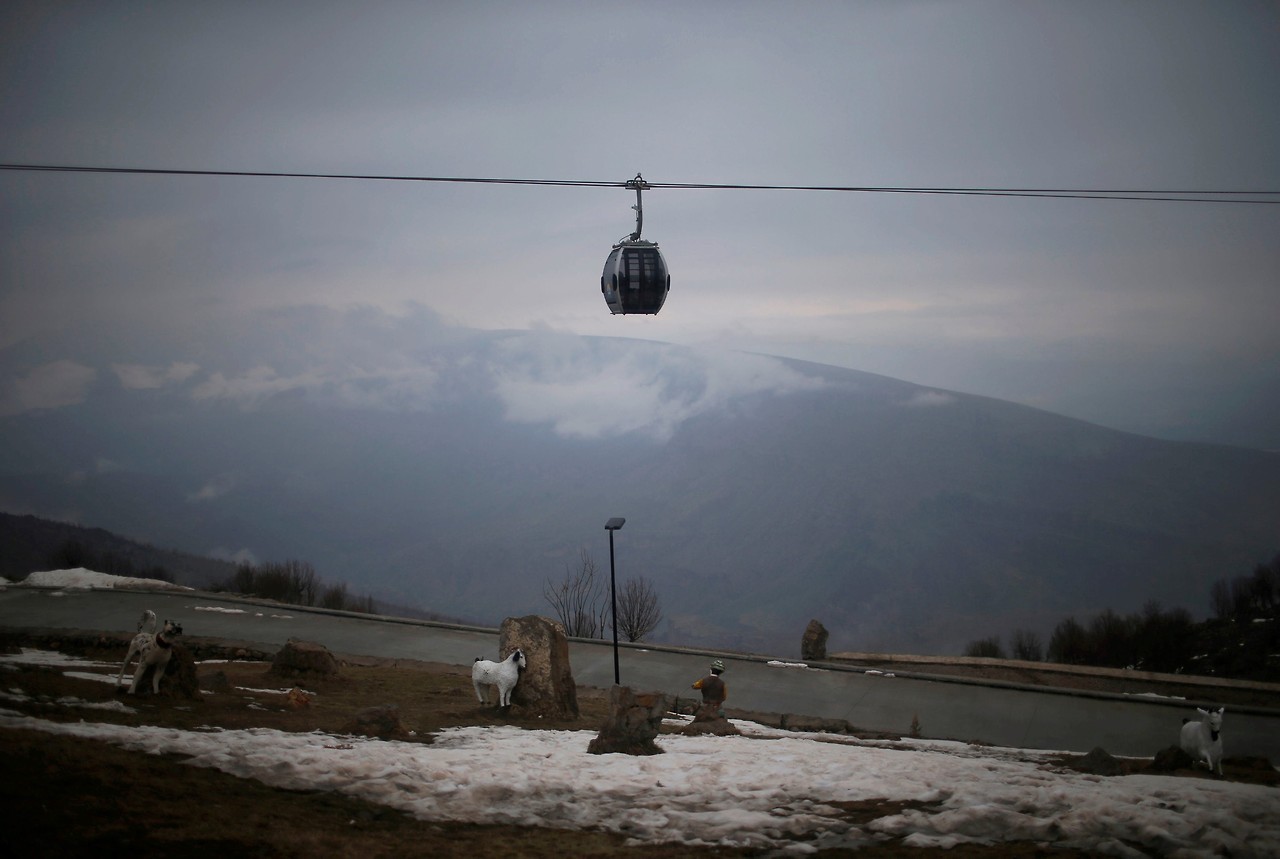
(759, 493)
(29, 543)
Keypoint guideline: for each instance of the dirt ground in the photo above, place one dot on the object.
(67, 796)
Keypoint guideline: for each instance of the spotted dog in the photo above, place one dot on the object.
(152, 649)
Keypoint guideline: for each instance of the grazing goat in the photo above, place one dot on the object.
(1202, 739)
(152, 649)
(504, 675)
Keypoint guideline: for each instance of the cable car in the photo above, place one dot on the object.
(635, 278)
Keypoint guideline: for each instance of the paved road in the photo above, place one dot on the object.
(962, 711)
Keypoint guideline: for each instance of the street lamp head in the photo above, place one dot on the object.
(614, 524)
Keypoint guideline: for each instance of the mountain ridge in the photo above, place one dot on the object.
(759, 492)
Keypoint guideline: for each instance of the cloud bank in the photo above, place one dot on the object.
(368, 359)
(48, 386)
(588, 388)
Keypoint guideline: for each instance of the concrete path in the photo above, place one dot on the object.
(1025, 718)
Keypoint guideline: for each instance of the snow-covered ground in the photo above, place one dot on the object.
(80, 578)
(768, 789)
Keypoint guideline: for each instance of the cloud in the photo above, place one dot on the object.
(357, 358)
(215, 488)
(929, 399)
(141, 376)
(107, 466)
(406, 387)
(49, 386)
(236, 556)
(253, 385)
(594, 388)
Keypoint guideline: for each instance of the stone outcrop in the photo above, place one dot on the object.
(382, 722)
(215, 681)
(299, 660)
(1097, 762)
(1171, 759)
(633, 722)
(707, 719)
(813, 645)
(179, 679)
(715, 727)
(546, 686)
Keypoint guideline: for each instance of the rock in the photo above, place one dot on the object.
(381, 722)
(814, 643)
(1097, 762)
(633, 721)
(716, 728)
(1171, 759)
(708, 720)
(215, 682)
(546, 687)
(1250, 762)
(793, 722)
(179, 679)
(304, 659)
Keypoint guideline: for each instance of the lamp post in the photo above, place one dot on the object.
(613, 525)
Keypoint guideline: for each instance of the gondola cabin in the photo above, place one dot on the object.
(635, 278)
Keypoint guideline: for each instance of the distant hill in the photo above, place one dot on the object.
(29, 544)
(462, 474)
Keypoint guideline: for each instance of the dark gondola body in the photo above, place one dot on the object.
(635, 278)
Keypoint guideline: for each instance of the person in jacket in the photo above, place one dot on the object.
(714, 691)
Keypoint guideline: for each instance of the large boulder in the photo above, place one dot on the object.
(633, 722)
(546, 686)
(813, 644)
(179, 679)
(300, 660)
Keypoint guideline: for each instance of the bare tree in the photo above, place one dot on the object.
(334, 596)
(1069, 643)
(990, 648)
(638, 611)
(304, 584)
(580, 600)
(1026, 645)
(1220, 598)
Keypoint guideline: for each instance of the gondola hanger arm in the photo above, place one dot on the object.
(639, 185)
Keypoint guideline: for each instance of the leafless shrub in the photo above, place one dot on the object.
(638, 610)
(986, 647)
(1026, 645)
(580, 600)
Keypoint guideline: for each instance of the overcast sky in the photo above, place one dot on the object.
(1154, 317)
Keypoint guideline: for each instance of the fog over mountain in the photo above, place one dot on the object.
(459, 470)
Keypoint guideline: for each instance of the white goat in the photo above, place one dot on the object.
(504, 675)
(151, 649)
(1202, 739)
